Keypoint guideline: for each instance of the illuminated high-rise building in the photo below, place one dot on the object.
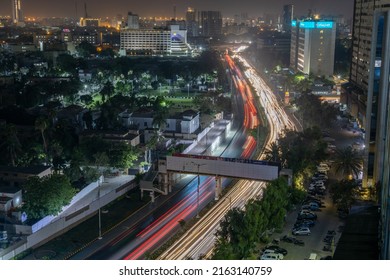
(368, 99)
(17, 15)
(288, 15)
(132, 21)
(210, 23)
(313, 46)
(191, 24)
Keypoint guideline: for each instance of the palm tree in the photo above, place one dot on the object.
(41, 125)
(10, 142)
(347, 162)
(273, 152)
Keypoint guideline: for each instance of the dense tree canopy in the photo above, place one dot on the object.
(241, 230)
(314, 113)
(47, 195)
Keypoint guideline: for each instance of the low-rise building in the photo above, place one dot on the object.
(10, 198)
(154, 42)
(130, 137)
(11, 176)
(184, 122)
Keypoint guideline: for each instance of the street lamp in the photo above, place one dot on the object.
(100, 214)
(197, 191)
(188, 90)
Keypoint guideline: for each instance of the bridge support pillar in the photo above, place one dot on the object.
(152, 196)
(169, 181)
(165, 182)
(218, 187)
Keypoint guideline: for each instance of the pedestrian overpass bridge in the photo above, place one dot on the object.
(170, 169)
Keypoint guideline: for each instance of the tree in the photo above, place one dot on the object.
(67, 63)
(273, 153)
(347, 162)
(86, 99)
(10, 142)
(240, 230)
(47, 195)
(107, 91)
(41, 124)
(122, 155)
(86, 49)
(342, 193)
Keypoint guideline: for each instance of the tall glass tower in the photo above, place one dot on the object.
(17, 15)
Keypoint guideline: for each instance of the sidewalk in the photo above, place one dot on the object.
(109, 184)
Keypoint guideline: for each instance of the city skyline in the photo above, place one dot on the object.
(67, 8)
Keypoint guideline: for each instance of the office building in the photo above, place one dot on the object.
(313, 46)
(154, 42)
(210, 23)
(288, 16)
(89, 22)
(369, 101)
(17, 15)
(132, 21)
(91, 38)
(191, 24)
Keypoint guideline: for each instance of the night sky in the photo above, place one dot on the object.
(100, 8)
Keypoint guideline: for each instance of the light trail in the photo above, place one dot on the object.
(199, 240)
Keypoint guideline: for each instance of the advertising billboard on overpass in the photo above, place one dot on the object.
(225, 167)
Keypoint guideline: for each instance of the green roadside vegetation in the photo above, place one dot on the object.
(86, 232)
(242, 230)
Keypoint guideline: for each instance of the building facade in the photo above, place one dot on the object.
(17, 14)
(210, 23)
(191, 24)
(377, 158)
(132, 21)
(356, 92)
(154, 42)
(313, 47)
(288, 16)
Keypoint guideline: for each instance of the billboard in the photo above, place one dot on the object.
(313, 24)
(225, 167)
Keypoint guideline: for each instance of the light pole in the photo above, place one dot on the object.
(197, 191)
(100, 214)
(188, 90)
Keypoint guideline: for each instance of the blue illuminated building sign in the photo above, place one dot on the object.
(307, 24)
(313, 24)
(325, 24)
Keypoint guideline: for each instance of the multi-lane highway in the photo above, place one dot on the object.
(146, 233)
(198, 242)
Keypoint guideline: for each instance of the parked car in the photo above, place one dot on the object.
(301, 231)
(317, 184)
(318, 179)
(307, 216)
(320, 176)
(271, 256)
(308, 200)
(304, 223)
(276, 249)
(322, 169)
(311, 206)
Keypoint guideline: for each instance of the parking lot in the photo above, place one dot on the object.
(327, 220)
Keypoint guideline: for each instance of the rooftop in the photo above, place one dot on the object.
(9, 189)
(359, 240)
(33, 170)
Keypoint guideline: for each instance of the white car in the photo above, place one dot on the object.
(317, 184)
(301, 231)
(271, 256)
(322, 169)
(322, 177)
(324, 165)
